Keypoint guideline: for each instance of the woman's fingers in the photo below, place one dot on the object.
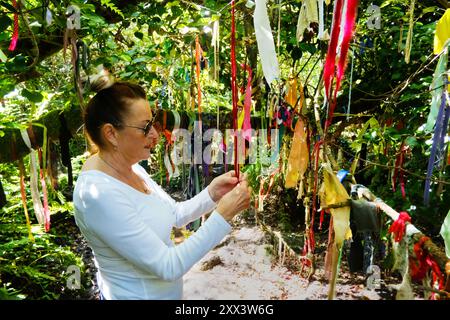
(243, 184)
(243, 177)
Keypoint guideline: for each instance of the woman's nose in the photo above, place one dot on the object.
(154, 133)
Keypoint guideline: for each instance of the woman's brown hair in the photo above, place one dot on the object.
(109, 105)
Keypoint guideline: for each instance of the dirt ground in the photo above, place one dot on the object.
(242, 268)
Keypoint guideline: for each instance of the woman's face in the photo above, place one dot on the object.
(132, 141)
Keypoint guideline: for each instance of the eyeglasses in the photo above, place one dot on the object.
(147, 127)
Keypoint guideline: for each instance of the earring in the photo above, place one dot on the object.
(115, 148)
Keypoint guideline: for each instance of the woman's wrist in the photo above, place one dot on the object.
(214, 197)
(224, 213)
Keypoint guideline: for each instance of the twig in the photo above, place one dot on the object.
(392, 167)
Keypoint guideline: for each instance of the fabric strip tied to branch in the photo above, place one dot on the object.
(37, 204)
(266, 45)
(398, 227)
(345, 10)
(15, 35)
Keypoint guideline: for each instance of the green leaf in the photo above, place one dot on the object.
(308, 47)
(139, 35)
(8, 6)
(3, 57)
(429, 9)
(34, 273)
(17, 64)
(33, 96)
(112, 7)
(411, 141)
(138, 60)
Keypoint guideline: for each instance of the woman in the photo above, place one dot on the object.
(127, 218)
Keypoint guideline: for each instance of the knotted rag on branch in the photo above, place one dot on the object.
(398, 227)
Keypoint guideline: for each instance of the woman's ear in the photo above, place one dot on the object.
(109, 133)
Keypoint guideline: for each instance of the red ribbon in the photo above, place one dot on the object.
(234, 89)
(331, 71)
(398, 172)
(263, 195)
(399, 226)
(426, 263)
(15, 35)
(198, 55)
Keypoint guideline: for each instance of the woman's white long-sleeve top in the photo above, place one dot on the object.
(129, 233)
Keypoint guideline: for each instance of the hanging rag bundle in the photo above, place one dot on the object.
(331, 193)
(215, 42)
(298, 157)
(437, 89)
(308, 15)
(398, 227)
(441, 44)
(294, 87)
(442, 33)
(438, 146)
(266, 45)
(37, 204)
(291, 95)
(345, 12)
(323, 34)
(423, 263)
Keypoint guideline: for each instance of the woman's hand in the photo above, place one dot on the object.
(223, 184)
(235, 201)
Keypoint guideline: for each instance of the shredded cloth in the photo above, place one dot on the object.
(345, 12)
(266, 45)
(442, 32)
(308, 15)
(425, 264)
(298, 157)
(398, 227)
(34, 169)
